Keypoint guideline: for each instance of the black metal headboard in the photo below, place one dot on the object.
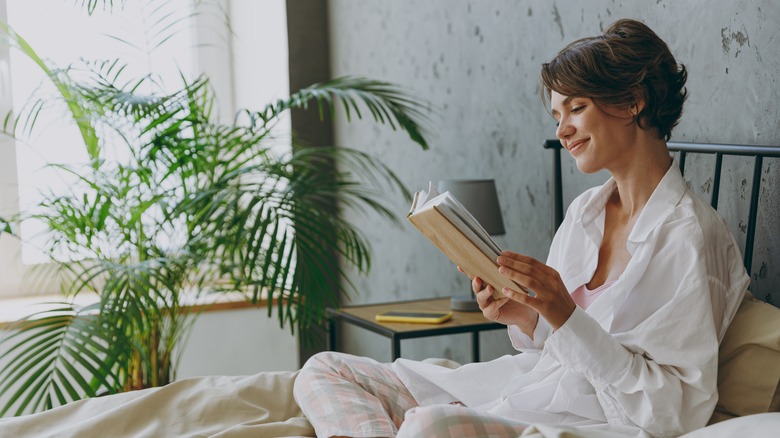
(718, 150)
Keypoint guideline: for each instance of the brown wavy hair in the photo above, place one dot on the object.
(626, 64)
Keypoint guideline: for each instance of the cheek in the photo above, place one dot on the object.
(609, 127)
(591, 121)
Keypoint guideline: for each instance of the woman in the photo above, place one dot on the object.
(622, 327)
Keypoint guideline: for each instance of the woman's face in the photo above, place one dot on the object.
(597, 138)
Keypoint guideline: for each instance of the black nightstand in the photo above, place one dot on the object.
(363, 316)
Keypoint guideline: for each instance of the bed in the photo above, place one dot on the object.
(262, 405)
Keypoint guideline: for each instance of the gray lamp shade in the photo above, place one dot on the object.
(480, 198)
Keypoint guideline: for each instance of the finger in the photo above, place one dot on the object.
(525, 281)
(511, 254)
(518, 262)
(476, 284)
(531, 274)
(508, 267)
(536, 277)
(493, 305)
(521, 298)
(483, 295)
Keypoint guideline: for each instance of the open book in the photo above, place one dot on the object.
(455, 231)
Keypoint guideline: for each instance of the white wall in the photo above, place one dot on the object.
(237, 342)
(478, 63)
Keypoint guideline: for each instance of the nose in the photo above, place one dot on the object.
(565, 129)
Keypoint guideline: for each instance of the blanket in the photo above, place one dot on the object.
(260, 405)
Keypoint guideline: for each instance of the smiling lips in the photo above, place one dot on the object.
(574, 146)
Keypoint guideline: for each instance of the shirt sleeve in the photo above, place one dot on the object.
(522, 342)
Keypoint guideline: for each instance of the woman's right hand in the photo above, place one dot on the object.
(504, 310)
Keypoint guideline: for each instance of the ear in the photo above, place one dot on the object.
(639, 102)
(637, 108)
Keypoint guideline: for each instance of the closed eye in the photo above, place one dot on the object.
(578, 109)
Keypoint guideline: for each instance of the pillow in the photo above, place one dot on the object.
(749, 362)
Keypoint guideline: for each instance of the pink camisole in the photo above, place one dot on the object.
(584, 297)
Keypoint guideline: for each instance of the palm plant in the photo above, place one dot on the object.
(198, 206)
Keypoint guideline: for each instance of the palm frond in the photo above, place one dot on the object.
(47, 356)
(387, 103)
(62, 82)
(274, 224)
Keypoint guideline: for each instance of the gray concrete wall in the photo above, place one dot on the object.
(478, 63)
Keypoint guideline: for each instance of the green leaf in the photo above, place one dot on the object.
(61, 81)
(387, 103)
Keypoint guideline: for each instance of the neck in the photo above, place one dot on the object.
(639, 175)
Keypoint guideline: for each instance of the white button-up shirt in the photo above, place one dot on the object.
(643, 357)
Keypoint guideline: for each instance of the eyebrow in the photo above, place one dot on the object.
(565, 102)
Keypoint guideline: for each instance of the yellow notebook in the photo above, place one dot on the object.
(414, 316)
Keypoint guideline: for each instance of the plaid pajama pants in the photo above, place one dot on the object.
(344, 395)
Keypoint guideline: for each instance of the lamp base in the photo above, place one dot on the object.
(464, 304)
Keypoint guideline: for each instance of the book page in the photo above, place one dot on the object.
(471, 222)
(469, 232)
(422, 197)
(458, 215)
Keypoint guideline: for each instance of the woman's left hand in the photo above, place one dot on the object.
(551, 299)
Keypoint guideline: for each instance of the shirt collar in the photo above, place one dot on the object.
(596, 204)
(592, 214)
(665, 197)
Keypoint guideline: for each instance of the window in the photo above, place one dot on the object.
(64, 33)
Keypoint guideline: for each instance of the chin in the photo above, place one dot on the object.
(585, 167)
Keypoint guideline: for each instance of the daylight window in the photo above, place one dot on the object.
(67, 37)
